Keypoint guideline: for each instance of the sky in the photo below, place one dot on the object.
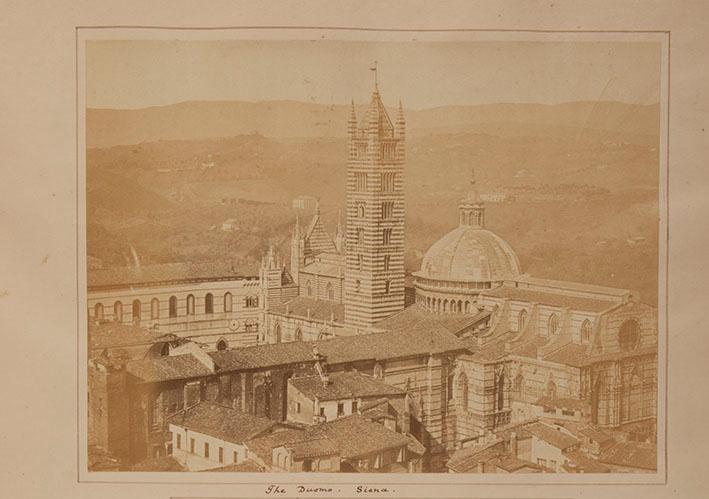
(141, 73)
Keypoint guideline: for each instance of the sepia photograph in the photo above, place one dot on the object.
(370, 252)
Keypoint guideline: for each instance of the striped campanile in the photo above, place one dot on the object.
(374, 280)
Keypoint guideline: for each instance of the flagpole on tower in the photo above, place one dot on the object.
(376, 82)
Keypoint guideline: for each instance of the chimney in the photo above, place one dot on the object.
(513, 444)
(481, 467)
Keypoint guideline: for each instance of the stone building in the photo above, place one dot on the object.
(324, 397)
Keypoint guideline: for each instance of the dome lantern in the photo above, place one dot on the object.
(471, 208)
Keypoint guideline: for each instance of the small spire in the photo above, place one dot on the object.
(296, 229)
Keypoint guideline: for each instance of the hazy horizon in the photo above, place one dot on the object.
(137, 74)
(358, 104)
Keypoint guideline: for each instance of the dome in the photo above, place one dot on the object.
(470, 254)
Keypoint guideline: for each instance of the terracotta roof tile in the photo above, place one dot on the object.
(343, 385)
(222, 422)
(168, 368)
(322, 310)
(417, 318)
(632, 455)
(552, 436)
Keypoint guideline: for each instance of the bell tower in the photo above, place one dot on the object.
(374, 277)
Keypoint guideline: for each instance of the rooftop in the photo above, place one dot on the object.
(580, 462)
(117, 335)
(343, 385)
(632, 455)
(560, 299)
(551, 435)
(416, 318)
(357, 436)
(222, 422)
(161, 273)
(321, 310)
(572, 286)
(167, 368)
(344, 349)
(351, 437)
(595, 434)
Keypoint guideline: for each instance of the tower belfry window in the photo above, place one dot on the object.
(361, 181)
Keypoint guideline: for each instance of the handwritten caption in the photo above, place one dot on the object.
(315, 490)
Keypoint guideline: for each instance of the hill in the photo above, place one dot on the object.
(577, 203)
(279, 119)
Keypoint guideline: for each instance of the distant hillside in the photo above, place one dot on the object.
(283, 119)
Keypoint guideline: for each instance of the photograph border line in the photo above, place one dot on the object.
(665, 122)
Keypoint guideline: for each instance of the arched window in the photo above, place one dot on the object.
(154, 308)
(467, 307)
(586, 331)
(309, 288)
(165, 350)
(459, 308)
(277, 333)
(190, 304)
(378, 371)
(98, 311)
(330, 291)
(521, 319)
(553, 324)
(360, 210)
(358, 284)
(228, 302)
(500, 391)
(118, 311)
(445, 305)
(360, 262)
(463, 390)
(173, 306)
(386, 236)
(629, 335)
(136, 311)
(387, 259)
(387, 286)
(360, 235)
(222, 345)
(209, 303)
(298, 335)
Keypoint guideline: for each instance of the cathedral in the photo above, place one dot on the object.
(540, 339)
